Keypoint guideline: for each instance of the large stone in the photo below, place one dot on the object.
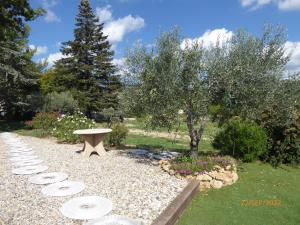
(228, 167)
(234, 177)
(227, 181)
(204, 185)
(221, 176)
(216, 167)
(204, 177)
(166, 167)
(216, 184)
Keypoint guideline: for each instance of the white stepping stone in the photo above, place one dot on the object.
(63, 188)
(21, 150)
(48, 178)
(86, 208)
(21, 154)
(23, 158)
(32, 162)
(26, 170)
(114, 220)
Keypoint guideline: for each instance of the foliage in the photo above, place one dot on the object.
(19, 74)
(44, 120)
(61, 102)
(87, 70)
(244, 74)
(167, 79)
(47, 81)
(66, 125)
(118, 134)
(193, 166)
(282, 122)
(243, 140)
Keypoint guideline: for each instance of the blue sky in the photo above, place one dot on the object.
(128, 21)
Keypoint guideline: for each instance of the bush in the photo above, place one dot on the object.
(243, 140)
(283, 129)
(65, 127)
(118, 134)
(62, 102)
(43, 120)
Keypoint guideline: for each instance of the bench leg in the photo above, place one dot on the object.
(93, 143)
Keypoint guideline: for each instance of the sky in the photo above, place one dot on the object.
(129, 21)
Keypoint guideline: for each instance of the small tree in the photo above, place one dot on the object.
(168, 79)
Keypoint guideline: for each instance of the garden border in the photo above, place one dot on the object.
(170, 215)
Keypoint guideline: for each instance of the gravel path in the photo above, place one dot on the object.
(137, 189)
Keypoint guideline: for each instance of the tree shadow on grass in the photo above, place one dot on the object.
(13, 126)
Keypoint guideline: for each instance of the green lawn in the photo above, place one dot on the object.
(163, 143)
(159, 143)
(257, 181)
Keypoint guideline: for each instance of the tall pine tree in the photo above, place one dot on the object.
(18, 74)
(87, 69)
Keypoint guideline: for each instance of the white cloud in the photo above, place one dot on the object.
(116, 29)
(39, 49)
(285, 5)
(209, 38)
(50, 14)
(119, 62)
(293, 48)
(52, 58)
(104, 14)
(121, 65)
(51, 17)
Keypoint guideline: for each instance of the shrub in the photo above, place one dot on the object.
(66, 125)
(242, 139)
(43, 120)
(283, 129)
(118, 134)
(62, 102)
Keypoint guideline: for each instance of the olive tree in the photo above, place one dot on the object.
(245, 74)
(166, 79)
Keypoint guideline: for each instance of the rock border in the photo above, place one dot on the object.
(217, 178)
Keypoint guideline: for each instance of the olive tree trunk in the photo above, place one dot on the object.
(195, 135)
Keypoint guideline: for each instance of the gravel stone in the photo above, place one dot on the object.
(137, 188)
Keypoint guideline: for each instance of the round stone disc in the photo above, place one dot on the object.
(114, 220)
(86, 208)
(20, 150)
(48, 178)
(23, 158)
(21, 154)
(32, 162)
(26, 170)
(63, 188)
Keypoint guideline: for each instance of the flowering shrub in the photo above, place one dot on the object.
(194, 166)
(44, 121)
(66, 125)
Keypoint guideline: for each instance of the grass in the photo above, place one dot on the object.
(257, 181)
(159, 143)
(164, 143)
